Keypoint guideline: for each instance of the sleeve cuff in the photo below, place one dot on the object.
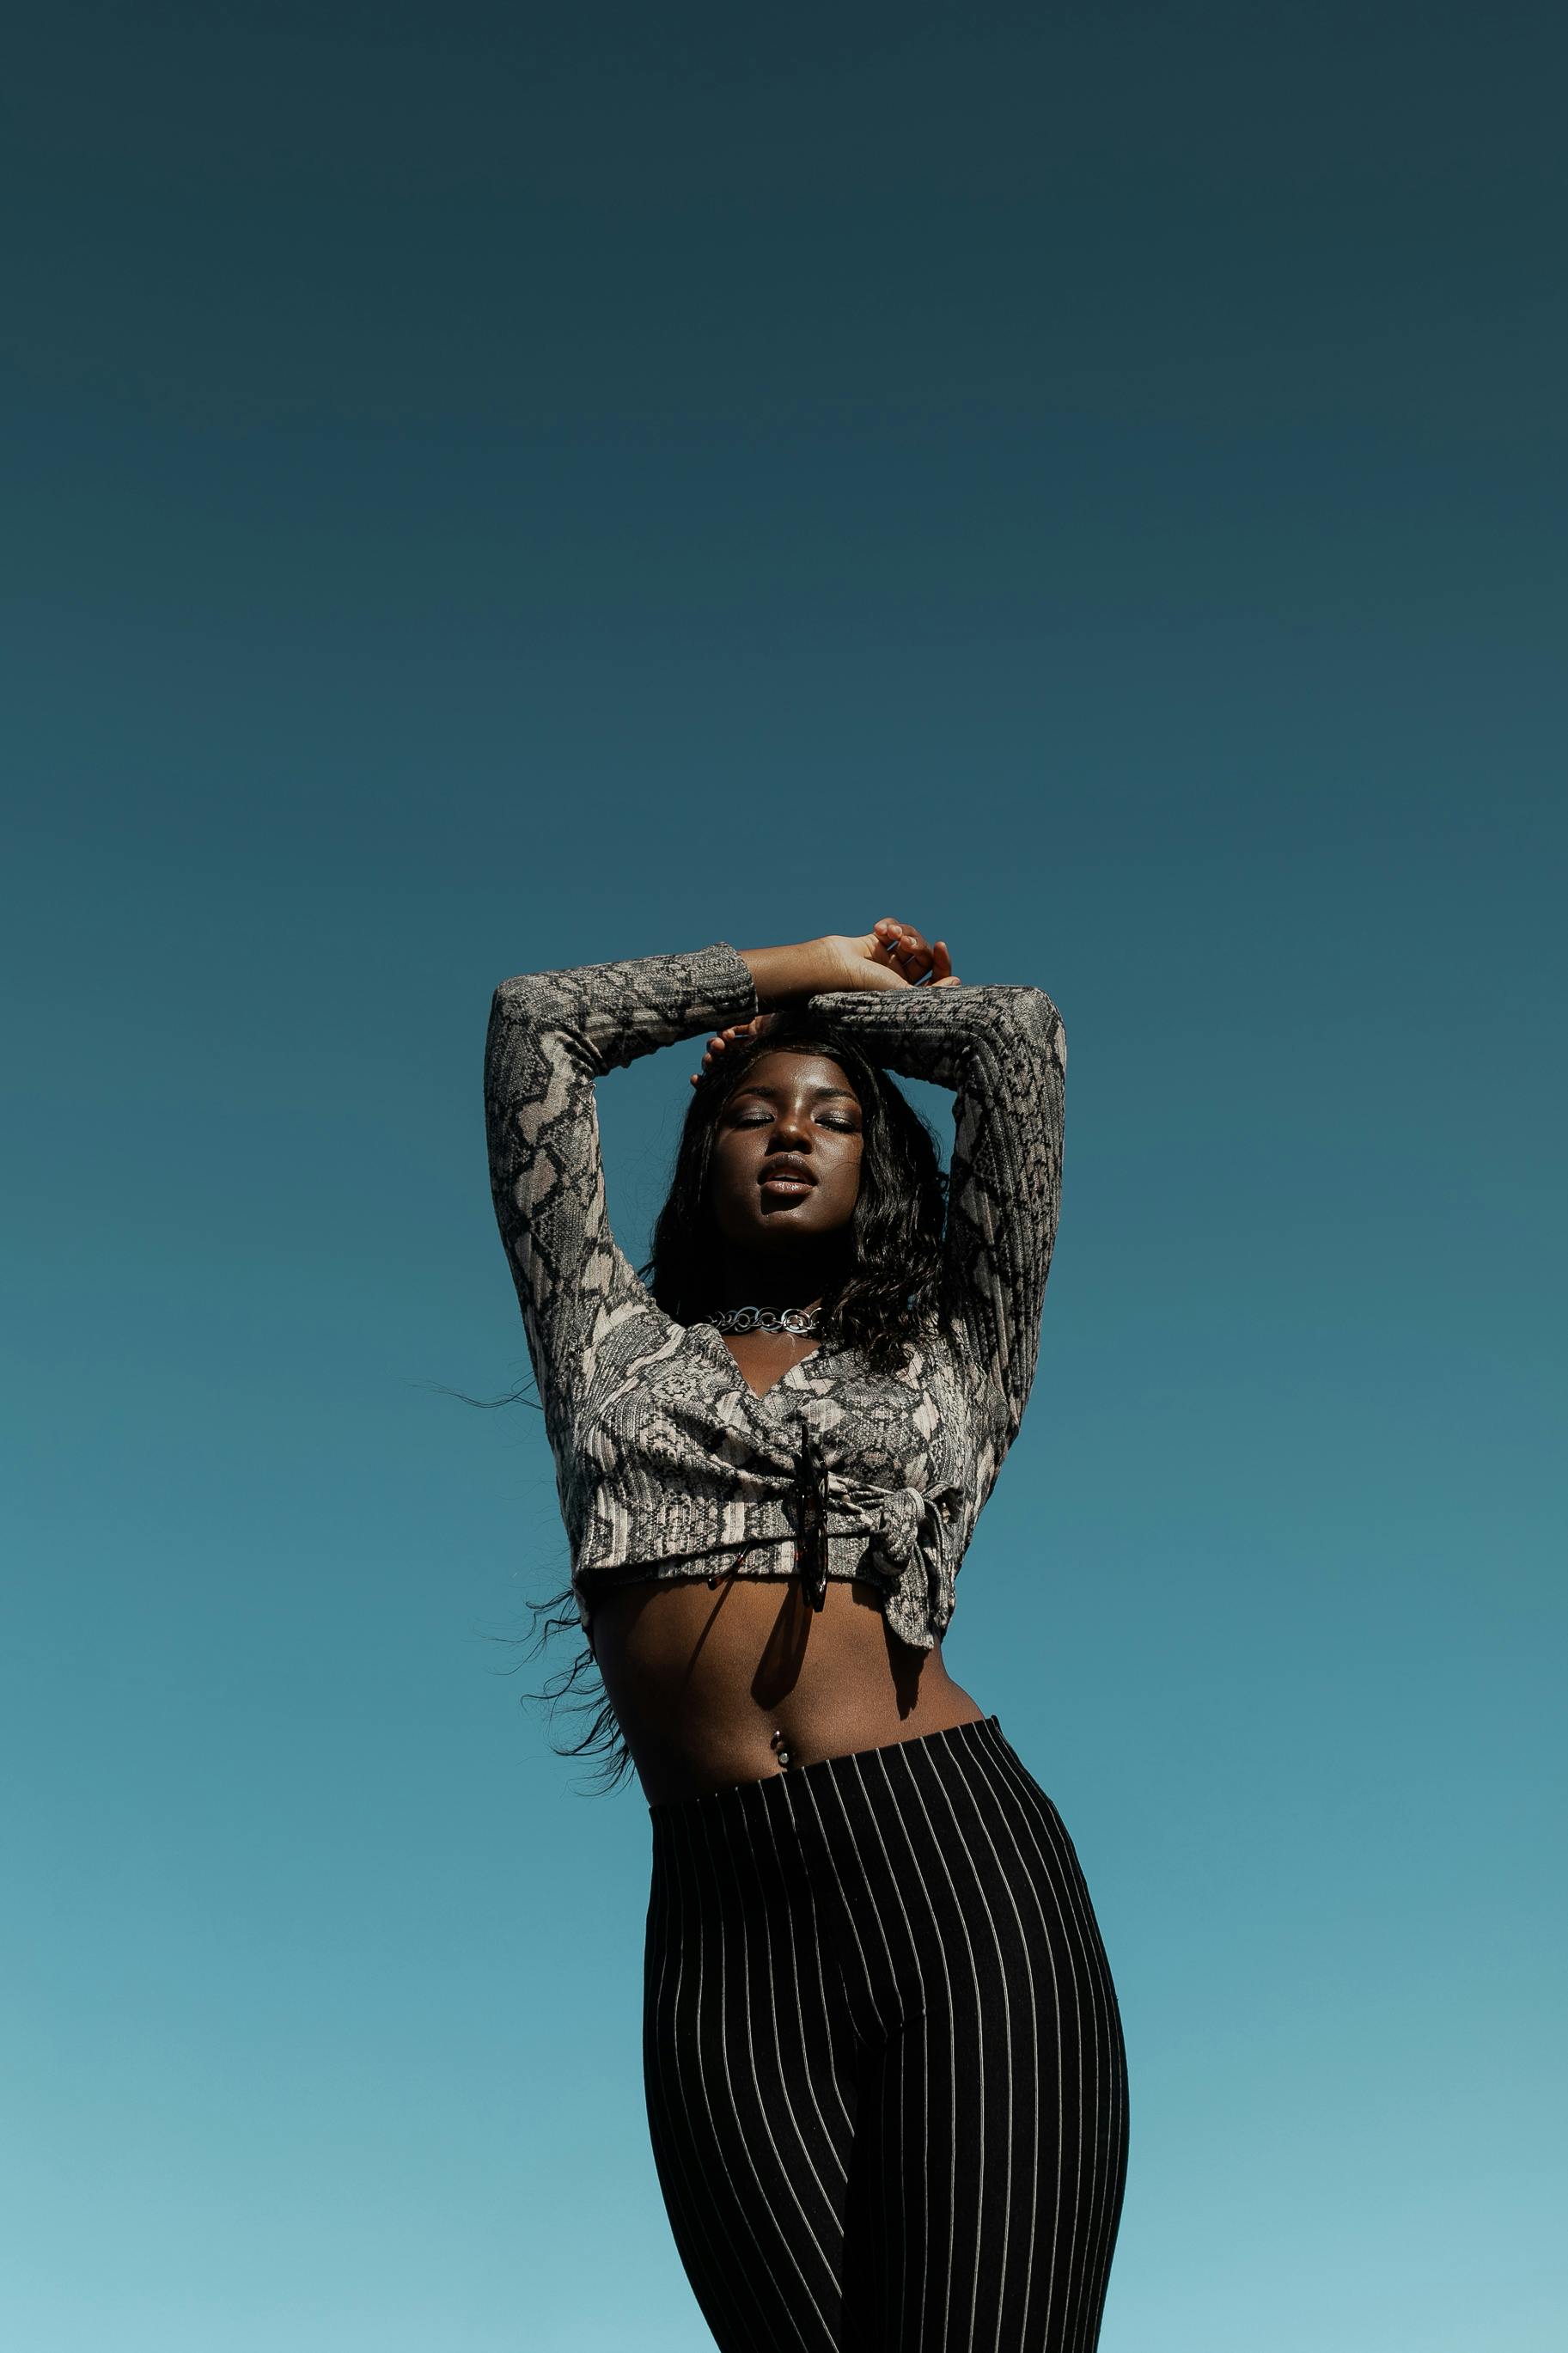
(724, 980)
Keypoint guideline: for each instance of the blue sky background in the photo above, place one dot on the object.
(490, 491)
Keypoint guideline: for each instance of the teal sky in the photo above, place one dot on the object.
(490, 491)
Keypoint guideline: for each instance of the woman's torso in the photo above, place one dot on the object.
(712, 1683)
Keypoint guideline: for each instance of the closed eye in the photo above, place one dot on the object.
(843, 1126)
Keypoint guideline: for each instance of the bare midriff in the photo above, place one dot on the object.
(715, 1684)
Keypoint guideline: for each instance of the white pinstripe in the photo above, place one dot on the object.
(915, 1970)
(1105, 2136)
(808, 1789)
(695, 2204)
(696, 2045)
(1106, 2073)
(1031, 1794)
(829, 2139)
(674, 1889)
(1081, 2005)
(1050, 1947)
(1033, 2072)
(899, 1750)
(829, 2260)
(1062, 1874)
(764, 2204)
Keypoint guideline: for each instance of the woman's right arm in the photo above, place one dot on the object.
(551, 1035)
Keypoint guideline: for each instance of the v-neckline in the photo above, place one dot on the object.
(758, 1396)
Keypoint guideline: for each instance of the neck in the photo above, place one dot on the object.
(799, 1277)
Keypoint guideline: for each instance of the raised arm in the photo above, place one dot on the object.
(551, 1035)
(1003, 1051)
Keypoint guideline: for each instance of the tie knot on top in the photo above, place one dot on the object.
(910, 1518)
(906, 1525)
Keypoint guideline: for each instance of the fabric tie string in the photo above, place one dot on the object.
(904, 1524)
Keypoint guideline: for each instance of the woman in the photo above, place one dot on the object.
(883, 2059)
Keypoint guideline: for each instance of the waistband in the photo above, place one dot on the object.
(953, 1741)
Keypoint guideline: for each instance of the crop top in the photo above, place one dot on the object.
(667, 1465)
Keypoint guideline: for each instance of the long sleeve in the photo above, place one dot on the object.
(1003, 1051)
(551, 1035)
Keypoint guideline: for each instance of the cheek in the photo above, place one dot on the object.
(846, 1179)
(725, 1179)
(718, 1173)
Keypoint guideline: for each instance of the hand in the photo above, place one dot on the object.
(891, 954)
(716, 1045)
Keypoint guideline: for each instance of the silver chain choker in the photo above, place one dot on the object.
(764, 1319)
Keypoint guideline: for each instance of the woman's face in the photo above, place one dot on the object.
(795, 1116)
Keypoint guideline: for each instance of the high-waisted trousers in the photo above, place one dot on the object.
(887, 2085)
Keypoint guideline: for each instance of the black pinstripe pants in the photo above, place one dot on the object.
(886, 2080)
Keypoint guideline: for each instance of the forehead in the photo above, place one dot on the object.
(780, 1073)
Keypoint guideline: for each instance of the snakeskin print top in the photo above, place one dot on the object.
(666, 1464)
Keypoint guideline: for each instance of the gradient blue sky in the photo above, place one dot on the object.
(490, 491)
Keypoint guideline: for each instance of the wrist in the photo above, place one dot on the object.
(788, 975)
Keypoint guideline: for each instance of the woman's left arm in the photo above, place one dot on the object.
(1002, 1051)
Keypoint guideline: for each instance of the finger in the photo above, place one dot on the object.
(916, 953)
(718, 1044)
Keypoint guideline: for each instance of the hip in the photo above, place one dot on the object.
(921, 1874)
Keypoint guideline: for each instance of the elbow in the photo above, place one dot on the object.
(1033, 1024)
(530, 1002)
(518, 1022)
(508, 1013)
(519, 998)
(533, 1027)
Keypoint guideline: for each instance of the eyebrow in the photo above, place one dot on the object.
(761, 1087)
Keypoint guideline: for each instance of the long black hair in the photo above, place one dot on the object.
(885, 1297)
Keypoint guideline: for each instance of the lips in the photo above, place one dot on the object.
(787, 1175)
